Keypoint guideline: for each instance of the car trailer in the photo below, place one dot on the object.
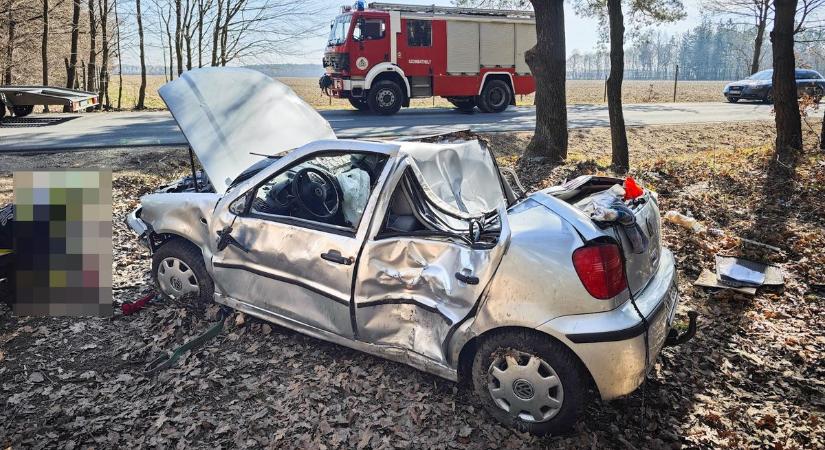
(20, 100)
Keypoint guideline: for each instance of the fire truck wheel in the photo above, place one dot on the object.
(385, 97)
(22, 111)
(360, 104)
(495, 97)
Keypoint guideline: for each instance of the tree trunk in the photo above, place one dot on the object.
(92, 67)
(142, 90)
(44, 47)
(618, 134)
(547, 61)
(216, 34)
(822, 135)
(788, 122)
(119, 60)
(757, 44)
(171, 49)
(71, 72)
(178, 43)
(104, 60)
(201, 13)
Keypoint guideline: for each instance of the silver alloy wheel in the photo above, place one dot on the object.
(525, 386)
(386, 98)
(176, 278)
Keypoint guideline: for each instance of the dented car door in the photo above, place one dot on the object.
(416, 283)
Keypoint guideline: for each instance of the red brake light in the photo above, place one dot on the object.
(601, 270)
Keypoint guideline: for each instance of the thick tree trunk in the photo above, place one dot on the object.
(618, 134)
(788, 122)
(44, 47)
(142, 90)
(71, 72)
(92, 67)
(547, 61)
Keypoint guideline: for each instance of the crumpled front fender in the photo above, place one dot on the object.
(185, 214)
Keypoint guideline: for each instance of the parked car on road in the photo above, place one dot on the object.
(415, 252)
(759, 86)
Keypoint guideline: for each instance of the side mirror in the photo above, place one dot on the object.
(238, 206)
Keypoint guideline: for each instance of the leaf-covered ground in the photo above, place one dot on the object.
(752, 377)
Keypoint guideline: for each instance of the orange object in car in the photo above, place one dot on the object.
(631, 189)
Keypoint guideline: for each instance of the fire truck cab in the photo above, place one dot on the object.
(379, 57)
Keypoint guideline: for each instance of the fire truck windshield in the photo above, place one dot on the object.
(339, 29)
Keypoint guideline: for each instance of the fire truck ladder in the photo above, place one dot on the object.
(433, 9)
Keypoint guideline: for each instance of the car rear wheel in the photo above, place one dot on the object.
(360, 104)
(22, 111)
(385, 97)
(529, 382)
(179, 272)
(495, 97)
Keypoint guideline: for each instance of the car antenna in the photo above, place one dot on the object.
(194, 173)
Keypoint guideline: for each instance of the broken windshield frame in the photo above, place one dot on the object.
(339, 28)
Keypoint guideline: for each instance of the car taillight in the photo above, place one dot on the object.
(601, 270)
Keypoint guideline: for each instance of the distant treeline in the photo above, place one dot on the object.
(273, 70)
(710, 51)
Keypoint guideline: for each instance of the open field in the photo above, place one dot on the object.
(578, 91)
(751, 378)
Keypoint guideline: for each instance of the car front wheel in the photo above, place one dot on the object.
(178, 271)
(732, 99)
(530, 382)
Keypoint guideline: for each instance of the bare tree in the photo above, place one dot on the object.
(44, 48)
(755, 13)
(104, 9)
(142, 90)
(90, 82)
(788, 122)
(71, 62)
(119, 59)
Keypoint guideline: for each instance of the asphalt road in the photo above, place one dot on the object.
(51, 132)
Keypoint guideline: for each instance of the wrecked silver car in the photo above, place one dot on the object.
(419, 253)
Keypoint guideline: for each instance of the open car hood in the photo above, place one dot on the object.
(227, 114)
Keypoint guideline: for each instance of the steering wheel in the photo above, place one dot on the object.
(317, 192)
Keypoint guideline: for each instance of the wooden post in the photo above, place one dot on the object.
(675, 82)
(605, 91)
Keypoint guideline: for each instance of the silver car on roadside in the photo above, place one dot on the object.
(418, 253)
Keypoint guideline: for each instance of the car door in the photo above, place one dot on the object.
(415, 284)
(289, 267)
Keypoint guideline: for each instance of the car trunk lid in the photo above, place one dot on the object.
(641, 263)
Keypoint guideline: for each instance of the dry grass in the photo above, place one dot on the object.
(578, 91)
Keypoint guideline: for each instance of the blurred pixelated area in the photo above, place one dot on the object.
(63, 243)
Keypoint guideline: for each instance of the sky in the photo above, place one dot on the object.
(581, 33)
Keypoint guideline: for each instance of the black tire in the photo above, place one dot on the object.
(360, 104)
(22, 110)
(192, 258)
(567, 367)
(768, 97)
(495, 97)
(385, 97)
(2, 110)
(464, 104)
(733, 99)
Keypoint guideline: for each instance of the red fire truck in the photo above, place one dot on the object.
(381, 56)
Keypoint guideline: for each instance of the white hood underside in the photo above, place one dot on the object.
(227, 114)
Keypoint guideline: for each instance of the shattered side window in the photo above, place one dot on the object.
(330, 189)
(412, 213)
